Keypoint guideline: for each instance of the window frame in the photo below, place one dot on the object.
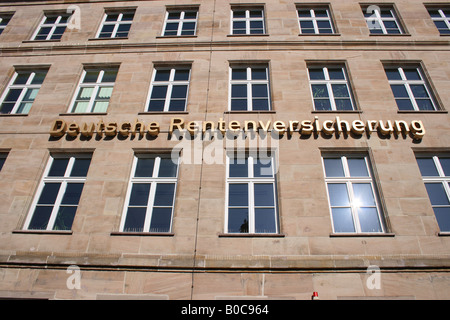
(116, 23)
(349, 181)
(315, 19)
(249, 82)
(170, 84)
(53, 26)
(442, 17)
(154, 181)
(247, 20)
(407, 85)
(381, 20)
(441, 179)
(96, 88)
(64, 180)
(329, 85)
(180, 21)
(24, 87)
(250, 181)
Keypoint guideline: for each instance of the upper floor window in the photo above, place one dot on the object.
(52, 26)
(59, 193)
(435, 172)
(410, 88)
(180, 22)
(247, 21)
(330, 88)
(4, 20)
(382, 20)
(249, 88)
(315, 20)
(21, 91)
(352, 194)
(251, 196)
(3, 156)
(116, 24)
(151, 194)
(441, 19)
(169, 89)
(95, 90)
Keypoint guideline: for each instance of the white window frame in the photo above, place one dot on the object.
(249, 82)
(407, 83)
(328, 82)
(180, 21)
(53, 26)
(63, 180)
(441, 179)
(349, 181)
(96, 87)
(247, 20)
(24, 87)
(376, 16)
(153, 181)
(170, 83)
(251, 180)
(314, 19)
(442, 17)
(116, 23)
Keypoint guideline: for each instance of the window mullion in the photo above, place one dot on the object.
(251, 207)
(150, 203)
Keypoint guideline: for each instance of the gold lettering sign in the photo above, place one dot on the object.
(305, 127)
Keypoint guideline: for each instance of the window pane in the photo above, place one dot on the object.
(182, 75)
(260, 104)
(40, 218)
(265, 220)
(135, 220)
(100, 106)
(393, 74)
(338, 194)
(144, 167)
(238, 167)
(259, 74)
(358, 167)
(238, 195)
(443, 218)
(412, 74)
(445, 164)
(436, 193)
(342, 220)
(333, 168)
(319, 91)
(262, 167)
(164, 194)
(72, 194)
(22, 78)
(109, 76)
(419, 91)
(168, 167)
(239, 90)
(162, 75)
(80, 167)
(322, 104)
(49, 193)
(239, 74)
(363, 195)
(427, 167)
(64, 218)
(58, 167)
(368, 219)
(404, 104)
(238, 104)
(336, 73)
(399, 91)
(179, 92)
(139, 194)
(316, 74)
(161, 218)
(238, 220)
(340, 90)
(264, 195)
(39, 78)
(159, 92)
(425, 104)
(260, 90)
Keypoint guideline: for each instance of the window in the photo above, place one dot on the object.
(180, 22)
(59, 193)
(441, 18)
(95, 90)
(249, 88)
(4, 20)
(382, 20)
(352, 194)
(22, 91)
(410, 88)
(330, 88)
(435, 171)
(116, 24)
(3, 156)
(251, 197)
(315, 20)
(52, 27)
(151, 194)
(247, 21)
(169, 89)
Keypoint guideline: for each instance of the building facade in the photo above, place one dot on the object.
(224, 149)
